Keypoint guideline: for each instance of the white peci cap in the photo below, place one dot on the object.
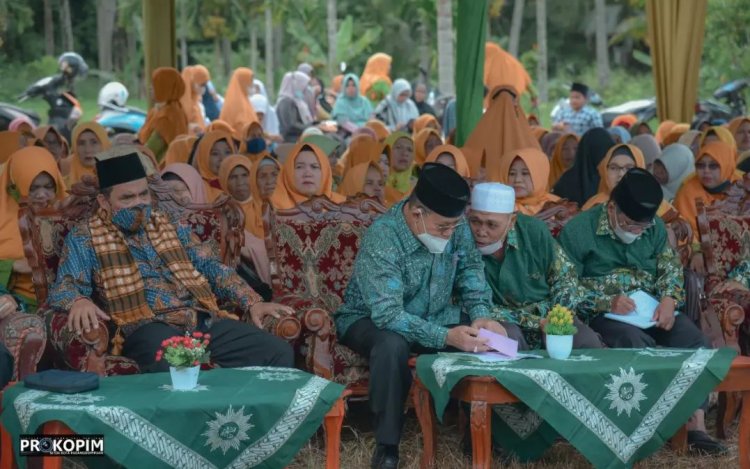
(493, 197)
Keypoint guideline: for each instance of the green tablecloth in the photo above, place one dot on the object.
(616, 406)
(242, 417)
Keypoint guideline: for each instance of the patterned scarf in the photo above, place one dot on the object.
(123, 287)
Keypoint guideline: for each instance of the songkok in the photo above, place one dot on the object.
(493, 197)
(119, 170)
(581, 88)
(442, 190)
(638, 195)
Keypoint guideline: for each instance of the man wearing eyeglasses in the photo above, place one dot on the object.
(413, 262)
(620, 248)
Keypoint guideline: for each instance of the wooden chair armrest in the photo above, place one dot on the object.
(286, 327)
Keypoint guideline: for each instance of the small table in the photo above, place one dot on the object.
(482, 392)
(269, 413)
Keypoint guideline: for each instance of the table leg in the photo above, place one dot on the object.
(744, 437)
(54, 427)
(481, 435)
(332, 423)
(6, 449)
(426, 416)
(679, 440)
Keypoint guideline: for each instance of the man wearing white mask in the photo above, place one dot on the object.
(528, 271)
(413, 262)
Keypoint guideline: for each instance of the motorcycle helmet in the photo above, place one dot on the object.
(113, 92)
(72, 65)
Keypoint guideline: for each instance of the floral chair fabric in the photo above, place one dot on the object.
(24, 336)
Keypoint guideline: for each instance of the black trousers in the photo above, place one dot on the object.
(390, 376)
(684, 334)
(6, 366)
(233, 344)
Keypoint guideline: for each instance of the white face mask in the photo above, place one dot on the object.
(490, 248)
(434, 244)
(623, 235)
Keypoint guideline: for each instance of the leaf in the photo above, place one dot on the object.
(642, 57)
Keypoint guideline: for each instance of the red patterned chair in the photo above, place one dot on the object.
(312, 249)
(24, 336)
(220, 225)
(557, 214)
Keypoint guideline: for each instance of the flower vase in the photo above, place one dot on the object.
(559, 346)
(184, 378)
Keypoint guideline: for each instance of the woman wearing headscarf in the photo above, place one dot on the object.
(186, 183)
(619, 134)
(196, 78)
(397, 110)
(166, 120)
(527, 172)
(267, 117)
(306, 173)
(375, 81)
(179, 150)
(424, 142)
(425, 121)
(717, 133)
(674, 134)
(210, 151)
(620, 159)
(451, 157)
(640, 128)
(351, 107)
(237, 110)
(691, 139)
(563, 157)
(673, 167)
(253, 142)
(740, 128)
(33, 173)
(53, 140)
(625, 121)
(400, 175)
(549, 141)
(663, 130)
(88, 139)
(581, 182)
(649, 148)
(419, 96)
(366, 178)
(264, 177)
(291, 108)
(380, 129)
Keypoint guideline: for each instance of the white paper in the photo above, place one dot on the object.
(499, 357)
(645, 306)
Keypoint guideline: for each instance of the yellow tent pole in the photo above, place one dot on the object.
(159, 40)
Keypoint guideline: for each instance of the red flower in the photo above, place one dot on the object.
(196, 363)
(207, 336)
(197, 334)
(158, 355)
(165, 342)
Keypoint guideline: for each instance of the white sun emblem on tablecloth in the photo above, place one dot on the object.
(286, 375)
(76, 399)
(626, 391)
(228, 430)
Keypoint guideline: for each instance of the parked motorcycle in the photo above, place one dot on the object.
(717, 113)
(9, 112)
(114, 114)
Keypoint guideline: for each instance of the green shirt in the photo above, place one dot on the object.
(608, 267)
(534, 275)
(404, 288)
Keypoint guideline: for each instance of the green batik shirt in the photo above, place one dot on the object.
(608, 267)
(741, 273)
(403, 288)
(534, 275)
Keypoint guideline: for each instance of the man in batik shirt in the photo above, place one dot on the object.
(412, 262)
(154, 280)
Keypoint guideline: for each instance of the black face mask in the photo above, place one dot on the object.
(720, 188)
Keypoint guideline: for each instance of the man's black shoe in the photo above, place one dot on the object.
(700, 444)
(385, 457)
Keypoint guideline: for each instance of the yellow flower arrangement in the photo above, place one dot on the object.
(560, 321)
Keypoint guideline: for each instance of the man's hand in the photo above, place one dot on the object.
(490, 325)
(85, 315)
(727, 286)
(664, 314)
(7, 306)
(21, 266)
(259, 311)
(621, 304)
(465, 338)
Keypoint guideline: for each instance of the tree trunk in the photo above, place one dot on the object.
(133, 65)
(278, 46)
(67, 26)
(253, 45)
(226, 56)
(425, 52)
(602, 54)
(217, 57)
(270, 63)
(183, 34)
(106, 10)
(541, 38)
(445, 46)
(49, 29)
(515, 27)
(332, 33)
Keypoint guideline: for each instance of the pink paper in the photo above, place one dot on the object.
(502, 344)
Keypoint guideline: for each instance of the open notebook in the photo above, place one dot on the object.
(645, 305)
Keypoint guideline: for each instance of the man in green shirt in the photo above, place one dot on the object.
(526, 269)
(620, 248)
(412, 263)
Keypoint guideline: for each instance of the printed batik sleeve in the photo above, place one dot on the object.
(470, 283)
(562, 279)
(669, 276)
(74, 273)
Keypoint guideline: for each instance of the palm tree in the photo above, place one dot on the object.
(332, 30)
(602, 56)
(515, 27)
(445, 46)
(541, 37)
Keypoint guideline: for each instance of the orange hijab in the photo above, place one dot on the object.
(23, 166)
(663, 130)
(377, 68)
(462, 167)
(624, 120)
(538, 165)
(167, 118)
(539, 133)
(362, 149)
(77, 169)
(226, 168)
(203, 155)
(237, 110)
(604, 190)
(501, 69)
(557, 167)
(424, 121)
(354, 181)
(379, 128)
(287, 196)
(244, 138)
(502, 129)
(675, 133)
(725, 155)
(219, 124)
(10, 142)
(420, 140)
(41, 132)
(722, 133)
(254, 209)
(179, 150)
(190, 99)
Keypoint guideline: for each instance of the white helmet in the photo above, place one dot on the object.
(113, 92)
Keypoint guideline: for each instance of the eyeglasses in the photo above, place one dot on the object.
(447, 230)
(709, 166)
(630, 225)
(613, 168)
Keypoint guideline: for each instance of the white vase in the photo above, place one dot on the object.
(559, 346)
(184, 377)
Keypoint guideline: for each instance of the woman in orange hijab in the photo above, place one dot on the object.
(31, 172)
(674, 134)
(451, 157)
(527, 171)
(377, 68)
(663, 130)
(237, 110)
(425, 141)
(10, 142)
(425, 121)
(253, 142)
(366, 178)
(740, 128)
(362, 149)
(212, 149)
(54, 142)
(167, 119)
(195, 77)
(88, 139)
(379, 128)
(179, 150)
(714, 134)
(264, 177)
(218, 124)
(563, 157)
(714, 172)
(306, 173)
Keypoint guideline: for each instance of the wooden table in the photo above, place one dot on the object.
(482, 392)
(331, 425)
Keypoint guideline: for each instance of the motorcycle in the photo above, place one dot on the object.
(115, 115)
(9, 112)
(717, 113)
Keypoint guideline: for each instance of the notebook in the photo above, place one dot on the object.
(641, 317)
